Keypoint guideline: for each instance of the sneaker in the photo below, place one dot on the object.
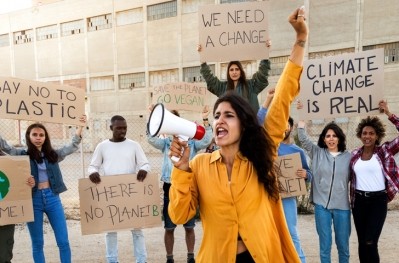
(170, 261)
(191, 260)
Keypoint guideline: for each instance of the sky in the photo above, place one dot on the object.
(12, 5)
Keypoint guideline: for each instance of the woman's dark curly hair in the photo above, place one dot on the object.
(255, 144)
(375, 123)
(338, 131)
(242, 80)
(47, 150)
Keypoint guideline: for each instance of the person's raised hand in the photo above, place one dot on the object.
(150, 107)
(270, 92)
(83, 120)
(268, 43)
(199, 48)
(297, 20)
(383, 107)
(205, 112)
(299, 104)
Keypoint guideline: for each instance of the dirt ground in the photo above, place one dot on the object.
(91, 248)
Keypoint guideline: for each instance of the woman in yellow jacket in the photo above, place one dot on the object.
(235, 187)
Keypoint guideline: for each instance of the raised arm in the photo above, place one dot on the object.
(206, 140)
(74, 145)
(297, 20)
(306, 143)
(392, 145)
(288, 85)
(265, 105)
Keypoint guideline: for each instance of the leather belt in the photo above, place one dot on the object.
(371, 194)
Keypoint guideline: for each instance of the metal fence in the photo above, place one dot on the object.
(75, 166)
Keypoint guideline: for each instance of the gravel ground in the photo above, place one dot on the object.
(91, 248)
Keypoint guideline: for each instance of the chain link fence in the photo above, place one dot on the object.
(74, 167)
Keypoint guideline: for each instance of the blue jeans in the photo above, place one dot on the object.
(341, 220)
(44, 201)
(111, 244)
(291, 217)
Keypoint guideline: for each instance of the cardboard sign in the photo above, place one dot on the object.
(234, 31)
(181, 96)
(15, 195)
(342, 86)
(23, 99)
(119, 202)
(290, 185)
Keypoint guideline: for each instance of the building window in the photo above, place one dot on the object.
(391, 51)
(46, 32)
(277, 65)
(4, 41)
(99, 22)
(131, 81)
(164, 76)
(102, 83)
(128, 17)
(24, 36)
(162, 10)
(193, 74)
(72, 28)
(234, 1)
(191, 6)
(329, 53)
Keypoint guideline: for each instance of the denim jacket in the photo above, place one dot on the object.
(53, 170)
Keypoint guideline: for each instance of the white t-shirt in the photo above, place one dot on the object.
(125, 157)
(369, 176)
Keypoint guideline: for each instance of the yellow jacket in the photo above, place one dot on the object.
(243, 205)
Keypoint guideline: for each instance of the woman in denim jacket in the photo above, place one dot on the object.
(49, 184)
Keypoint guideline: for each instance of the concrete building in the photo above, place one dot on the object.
(117, 49)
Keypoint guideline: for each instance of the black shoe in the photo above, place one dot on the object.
(170, 261)
(191, 260)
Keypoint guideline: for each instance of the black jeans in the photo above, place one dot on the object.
(6, 243)
(369, 215)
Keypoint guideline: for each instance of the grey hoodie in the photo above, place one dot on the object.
(330, 183)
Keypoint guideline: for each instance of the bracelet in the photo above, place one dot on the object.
(206, 119)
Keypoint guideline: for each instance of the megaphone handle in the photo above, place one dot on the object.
(182, 138)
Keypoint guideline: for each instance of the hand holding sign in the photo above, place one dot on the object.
(82, 120)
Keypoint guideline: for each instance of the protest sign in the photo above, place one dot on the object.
(40, 101)
(342, 86)
(289, 184)
(234, 31)
(180, 96)
(15, 195)
(119, 202)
